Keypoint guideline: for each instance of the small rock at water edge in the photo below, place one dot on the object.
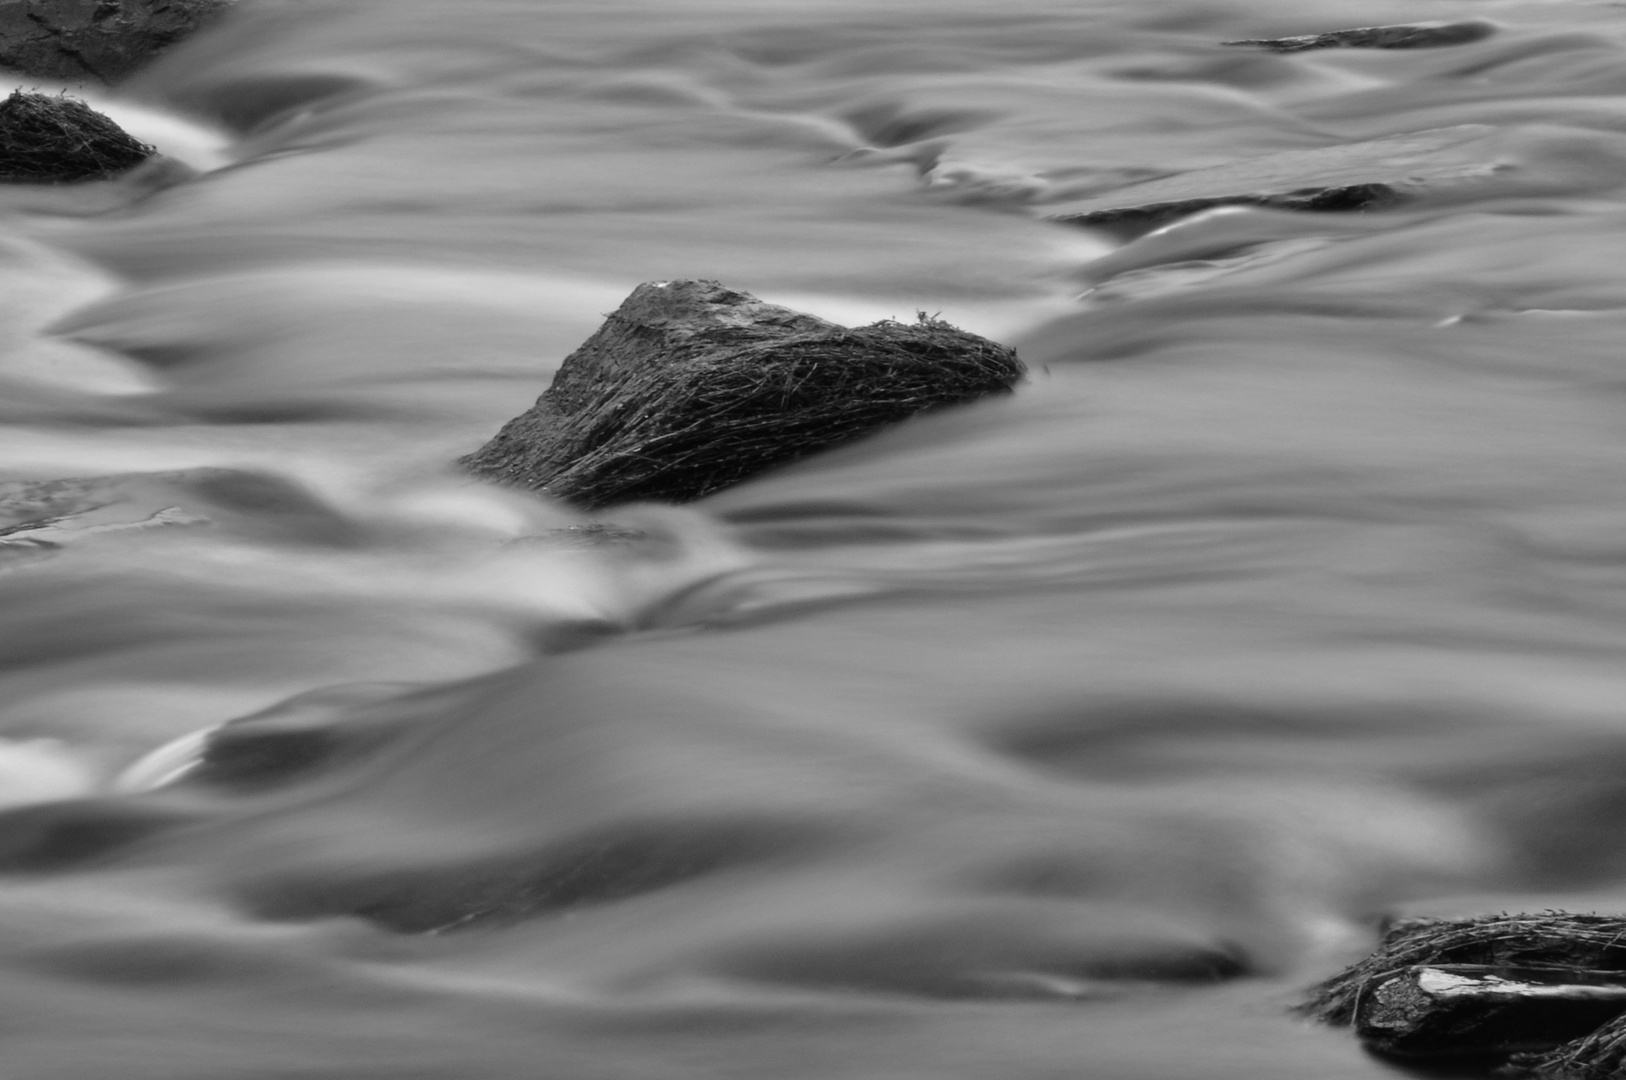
(1533, 995)
(1475, 1010)
(689, 387)
(100, 40)
(53, 139)
(1423, 36)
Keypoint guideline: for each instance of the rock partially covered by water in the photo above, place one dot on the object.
(1543, 991)
(52, 139)
(41, 517)
(1415, 36)
(103, 40)
(689, 387)
(1475, 1010)
(1356, 176)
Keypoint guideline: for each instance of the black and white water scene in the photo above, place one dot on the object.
(1060, 527)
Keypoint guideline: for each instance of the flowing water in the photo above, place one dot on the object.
(1070, 734)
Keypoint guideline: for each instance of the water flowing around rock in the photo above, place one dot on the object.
(1070, 732)
(55, 140)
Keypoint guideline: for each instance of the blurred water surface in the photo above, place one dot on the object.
(1066, 735)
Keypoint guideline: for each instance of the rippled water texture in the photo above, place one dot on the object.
(1065, 735)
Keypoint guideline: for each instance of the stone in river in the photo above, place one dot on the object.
(53, 139)
(1355, 176)
(1543, 990)
(689, 387)
(99, 40)
(1479, 1011)
(1424, 36)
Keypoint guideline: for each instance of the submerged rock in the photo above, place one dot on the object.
(102, 40)
(593, 536)
(47, 139)
(1379, 37)
(42, 517)
(1357, 176)
(289, 741)
(689, 387)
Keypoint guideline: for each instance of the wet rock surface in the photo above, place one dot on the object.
(1524, 995)
(1428, 36)
(53, 139)
(1598, 1056)
(100, 40)
(689, 387)
(1357, 176)
(1478, 1010)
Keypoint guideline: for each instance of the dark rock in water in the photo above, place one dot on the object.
(102, 40)
(1477, 1011)
(1134, 220)
(1550, 939)
(1488, 989)
(46, 139)
(690, 387)
(1379, 37)
(1358, 176)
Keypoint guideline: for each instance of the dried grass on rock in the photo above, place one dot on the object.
(1543, 939)
(54, 139)
(690, 387)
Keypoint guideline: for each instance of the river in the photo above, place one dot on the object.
(1070, 734)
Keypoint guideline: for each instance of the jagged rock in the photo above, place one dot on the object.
(52, 139)
(103, 40)
(1357, 176)
(1423, 36)
(689, 387)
